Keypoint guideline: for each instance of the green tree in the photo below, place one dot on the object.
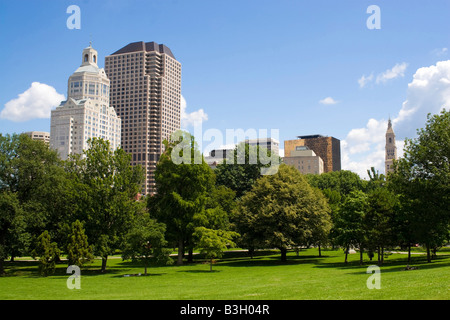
(376, 180)
(8, 159)
(337, 186)
(36, 175)
(349, 228)
(145, 242)
(13, 236)
(216, 215)
(183, 182)
(212, 242)
(422, 177)
(47, 252)
(380, 221)
(218, 208)
(245, 165)
(105, 191)
(319, 224)
(281, 210)
(79, 252)
(343, 181)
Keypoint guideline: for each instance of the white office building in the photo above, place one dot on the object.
(86, 113)
(305, 160)
(267, 143)
(39, 135)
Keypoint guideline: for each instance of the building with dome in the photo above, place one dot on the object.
(86, 113)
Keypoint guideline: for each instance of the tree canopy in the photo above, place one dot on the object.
(282, 210)
(422, 178)
(183, 183)
(244, 166)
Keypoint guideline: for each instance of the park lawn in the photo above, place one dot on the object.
(237, 277)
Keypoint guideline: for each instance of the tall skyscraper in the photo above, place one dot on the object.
(86, 113)
(146, 94)
(391, 149)
(327, 148)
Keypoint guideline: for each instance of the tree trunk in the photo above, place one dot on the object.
(320, 252)
(180, 252)
(360, 254)
(104, 260)
(378, 254)
(346, 253)
(409, 253)
(434, 251)
(145, 266)
(191, 255)
(428, 253)
(283, 254)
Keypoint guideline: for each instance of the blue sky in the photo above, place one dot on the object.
(249, 64)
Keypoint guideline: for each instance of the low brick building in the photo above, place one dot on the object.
(327, 148)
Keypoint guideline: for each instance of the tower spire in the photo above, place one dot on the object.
(391, 148)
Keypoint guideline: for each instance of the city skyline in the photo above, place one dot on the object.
(299, 67)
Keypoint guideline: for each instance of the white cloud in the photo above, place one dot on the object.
(428, 92)
(397, 71)
(363, 148)
(35, 103)
(440, 52)
(328, 101)
(361, 164)
(190, 119)
(363, 81)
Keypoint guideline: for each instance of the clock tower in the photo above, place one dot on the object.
(391, 149)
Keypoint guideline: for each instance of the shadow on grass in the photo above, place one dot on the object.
(390, 264)
(30, 269)
(142, 275)
(200, 271)
(269, 262)
(239, 259)
(268, 259)
(14, 267)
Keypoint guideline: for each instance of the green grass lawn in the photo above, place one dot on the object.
(237, 277)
